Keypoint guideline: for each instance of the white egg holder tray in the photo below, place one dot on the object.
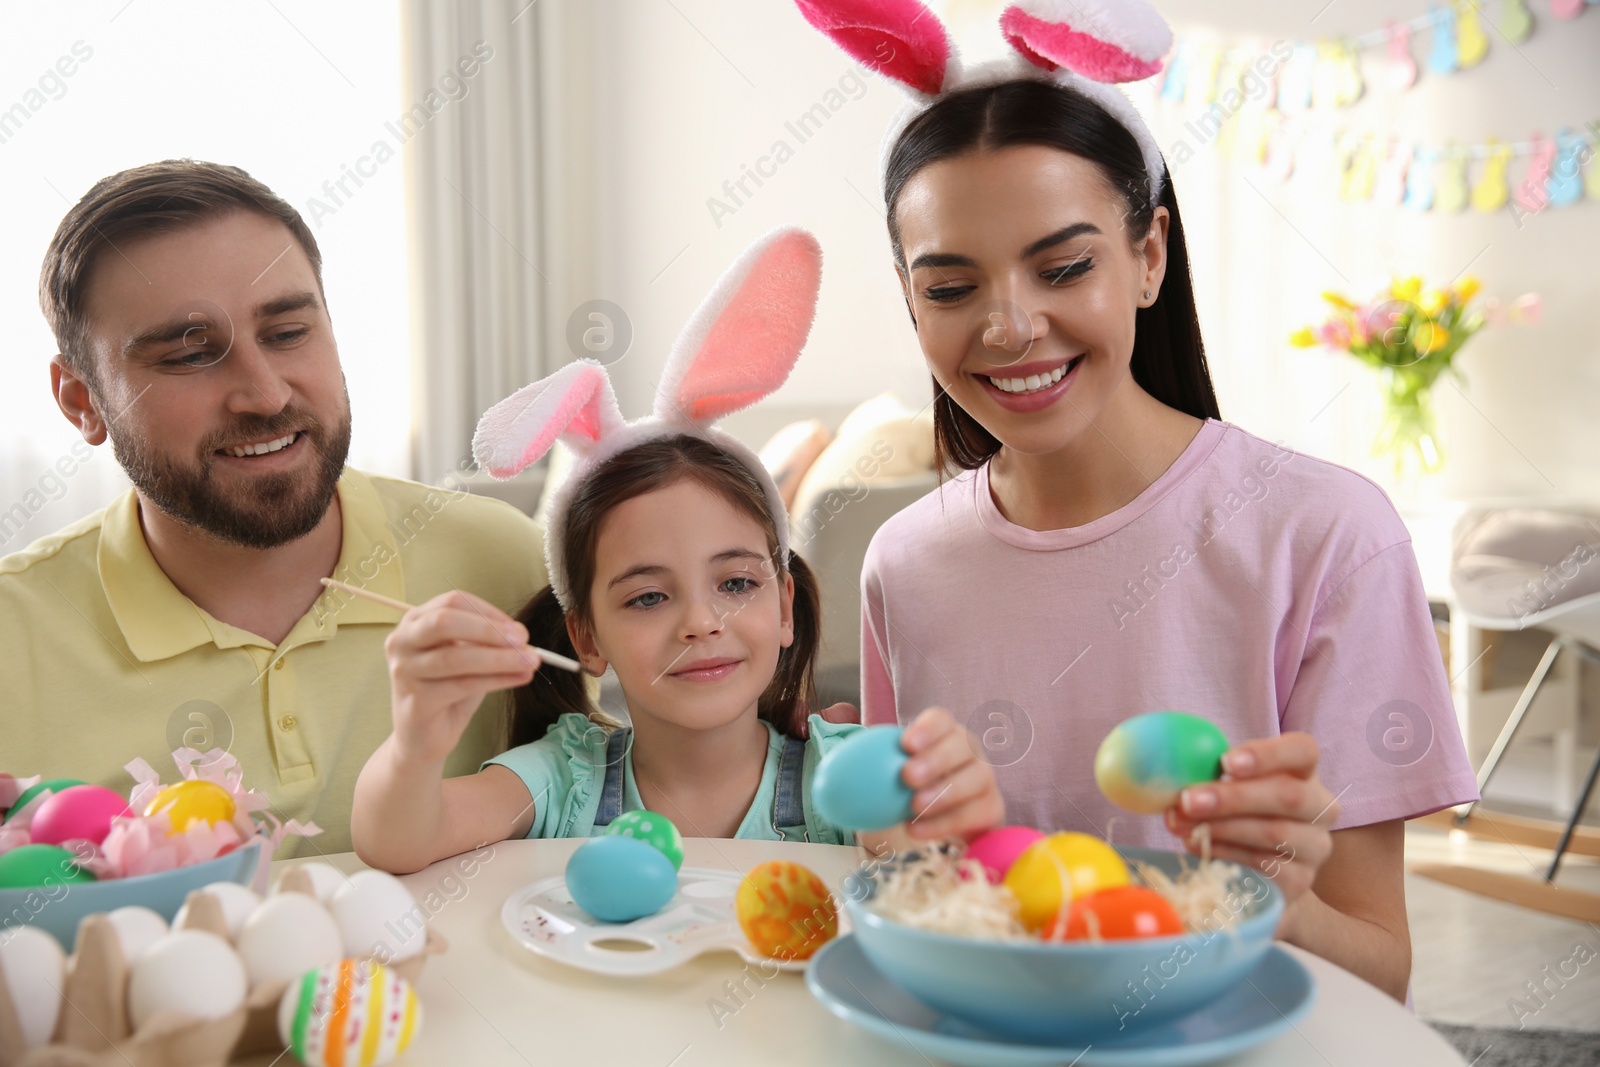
(701, 917)
(93, 1029)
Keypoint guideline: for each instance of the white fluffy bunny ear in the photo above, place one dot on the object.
(744, 339)
(1105, 40)
(900, 39)
(575, 405)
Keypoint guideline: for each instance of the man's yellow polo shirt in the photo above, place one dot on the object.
(102, 659)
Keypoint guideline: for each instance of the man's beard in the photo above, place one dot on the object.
(276, 509)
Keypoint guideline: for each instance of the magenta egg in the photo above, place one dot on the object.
(998, 849)
(83, 812)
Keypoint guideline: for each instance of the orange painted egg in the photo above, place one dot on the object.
(1114, 915)
(785, 910)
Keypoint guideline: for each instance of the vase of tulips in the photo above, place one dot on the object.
(1410, 335)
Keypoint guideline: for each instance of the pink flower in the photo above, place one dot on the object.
(1335, 333)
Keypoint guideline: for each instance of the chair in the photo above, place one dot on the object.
(1544, 567)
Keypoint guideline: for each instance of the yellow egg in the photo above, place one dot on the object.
(1058, 870)
(785, 910)
(187, 801)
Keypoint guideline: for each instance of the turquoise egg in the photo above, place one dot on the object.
(858, 785)
(1147, 760)
(618, 879)
(654, 829)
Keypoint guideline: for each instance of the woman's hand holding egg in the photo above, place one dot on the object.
(443, 658)
(956, 791)
(1270, 812)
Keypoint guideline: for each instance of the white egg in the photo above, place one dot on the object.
(288, 935)
(137, 929)
(238, 903)
(34, 967)
(378, 916)
(191, 972)
(326, 879)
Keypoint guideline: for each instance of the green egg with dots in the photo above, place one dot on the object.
(654, 829)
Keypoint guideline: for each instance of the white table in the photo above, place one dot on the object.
(488, 1001)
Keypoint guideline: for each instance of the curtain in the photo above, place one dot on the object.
(495, 250)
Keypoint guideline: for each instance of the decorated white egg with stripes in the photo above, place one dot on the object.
(353, 1013)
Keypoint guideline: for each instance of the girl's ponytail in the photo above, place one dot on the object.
(792, 693)
(535, 707)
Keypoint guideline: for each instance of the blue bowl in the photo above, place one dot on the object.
(1076, 992)
(57, 909)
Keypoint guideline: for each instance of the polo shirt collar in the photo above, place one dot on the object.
(159, 622)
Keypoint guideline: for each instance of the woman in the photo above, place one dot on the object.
(1110, 547)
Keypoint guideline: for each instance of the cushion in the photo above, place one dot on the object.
(881, 439)
(1514, 562)
(789, 454)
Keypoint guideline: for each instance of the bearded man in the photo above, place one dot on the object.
(186, 299)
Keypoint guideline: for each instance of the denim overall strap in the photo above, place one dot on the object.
(788, 799)
(611, 794)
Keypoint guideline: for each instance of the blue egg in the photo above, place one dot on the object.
(858, 784)
(619, 879)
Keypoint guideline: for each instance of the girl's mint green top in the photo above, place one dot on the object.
(565, 771)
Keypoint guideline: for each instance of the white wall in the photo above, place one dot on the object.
(687, 93)
(1524, 424)
(293, 93)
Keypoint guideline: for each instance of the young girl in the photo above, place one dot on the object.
(669, 562)
(1113, 546)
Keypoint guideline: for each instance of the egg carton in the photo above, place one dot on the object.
(94, 1029)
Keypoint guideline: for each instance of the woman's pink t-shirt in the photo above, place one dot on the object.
(1256, 586)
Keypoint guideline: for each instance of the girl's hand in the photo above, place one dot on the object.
(443, 658)
(957, 795)
(1269, 813)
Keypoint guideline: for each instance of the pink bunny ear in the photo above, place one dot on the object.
(1106, 40)
(744, 339)
(575, 404)
(900, 39)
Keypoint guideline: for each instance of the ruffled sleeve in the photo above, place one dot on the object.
(825, 736)
(563, 772)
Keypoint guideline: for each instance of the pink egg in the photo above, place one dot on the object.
(998, 849)
(82, 812)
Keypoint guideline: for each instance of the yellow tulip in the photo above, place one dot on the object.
(1468, 288)
(1338, 301)
(1303, 338)
(1430, 337)
(1406, 289)
(1434, 301)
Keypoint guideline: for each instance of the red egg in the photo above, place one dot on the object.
(1126, 911)
(83, 812)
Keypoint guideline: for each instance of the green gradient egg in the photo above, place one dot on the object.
(1147, 760)
(654, 829)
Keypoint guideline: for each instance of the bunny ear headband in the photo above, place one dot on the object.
(739, 347)
(1085, 45)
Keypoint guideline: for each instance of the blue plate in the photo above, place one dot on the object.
(1276, 995)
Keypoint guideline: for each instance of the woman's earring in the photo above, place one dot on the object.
(1147, 294)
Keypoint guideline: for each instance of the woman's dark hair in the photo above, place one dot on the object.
(643, 469)
(1169, 358)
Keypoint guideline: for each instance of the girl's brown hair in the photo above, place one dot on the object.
(643, 469)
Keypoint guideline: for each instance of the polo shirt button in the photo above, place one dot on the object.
(288, 723)
(278, 666)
